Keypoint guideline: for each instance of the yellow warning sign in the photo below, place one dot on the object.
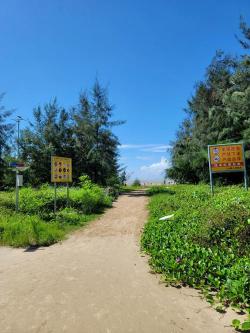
(61, 169)
(225, 158)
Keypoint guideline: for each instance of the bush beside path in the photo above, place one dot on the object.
(36, 224)
(203, 241)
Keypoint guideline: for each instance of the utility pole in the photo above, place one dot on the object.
(18, 134)
(18, 120)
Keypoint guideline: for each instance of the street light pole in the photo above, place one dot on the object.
(18, 135)
(18, 120)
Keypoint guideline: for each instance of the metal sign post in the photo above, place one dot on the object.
(67, 194)
(210, 173)
(61, 172)
(18, 119)
(17, 167)
(226, 158)
(245, 179)
(17, 191)
(245, 170)
(54, 198)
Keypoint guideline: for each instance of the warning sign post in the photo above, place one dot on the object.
(226, 158)
(61, 169)
(61, 172)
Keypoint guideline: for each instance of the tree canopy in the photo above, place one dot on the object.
(218, 112)
(83, 132)
(6, 130)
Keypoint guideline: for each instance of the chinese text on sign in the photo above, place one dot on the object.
(225, 158)
(61, 169)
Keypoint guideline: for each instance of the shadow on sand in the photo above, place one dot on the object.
(33, 248)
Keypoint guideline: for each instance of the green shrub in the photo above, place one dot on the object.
(68, 216)
(71, 217)
(205, 244)
(85, 182)
(40, 201)
(7, 200)
(159, 189)
(36, 223)
(136, 183)
(20, 230)
(88, 199)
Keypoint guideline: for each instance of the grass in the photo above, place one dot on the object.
(205, 244)
(156, 189)
(35, 224)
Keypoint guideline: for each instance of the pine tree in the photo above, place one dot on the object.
(6, 130)
(49, 134)
(94, 137)
(219, 112)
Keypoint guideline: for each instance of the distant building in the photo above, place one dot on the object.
(169, 181)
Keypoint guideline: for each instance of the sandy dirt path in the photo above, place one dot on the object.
(97, 281)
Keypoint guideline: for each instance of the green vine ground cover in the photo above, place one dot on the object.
(205, 244)
(36, 224)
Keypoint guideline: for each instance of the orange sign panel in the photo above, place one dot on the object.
(61, 169)
(227, 158)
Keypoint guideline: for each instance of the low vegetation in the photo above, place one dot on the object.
(159, 189)
(242, 326)
(202, 241)
(36, 224)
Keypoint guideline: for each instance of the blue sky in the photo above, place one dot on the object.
(148, 53)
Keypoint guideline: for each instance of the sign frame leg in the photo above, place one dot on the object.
(210, 172)
(55, 198)
(245, 179)
(245, 169)
(67, 194)
(17, 191)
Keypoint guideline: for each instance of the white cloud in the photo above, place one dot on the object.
(153, 148)
(143, 158)
(157, 149)
(154, 171)
(159, 166)
(128, 146)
